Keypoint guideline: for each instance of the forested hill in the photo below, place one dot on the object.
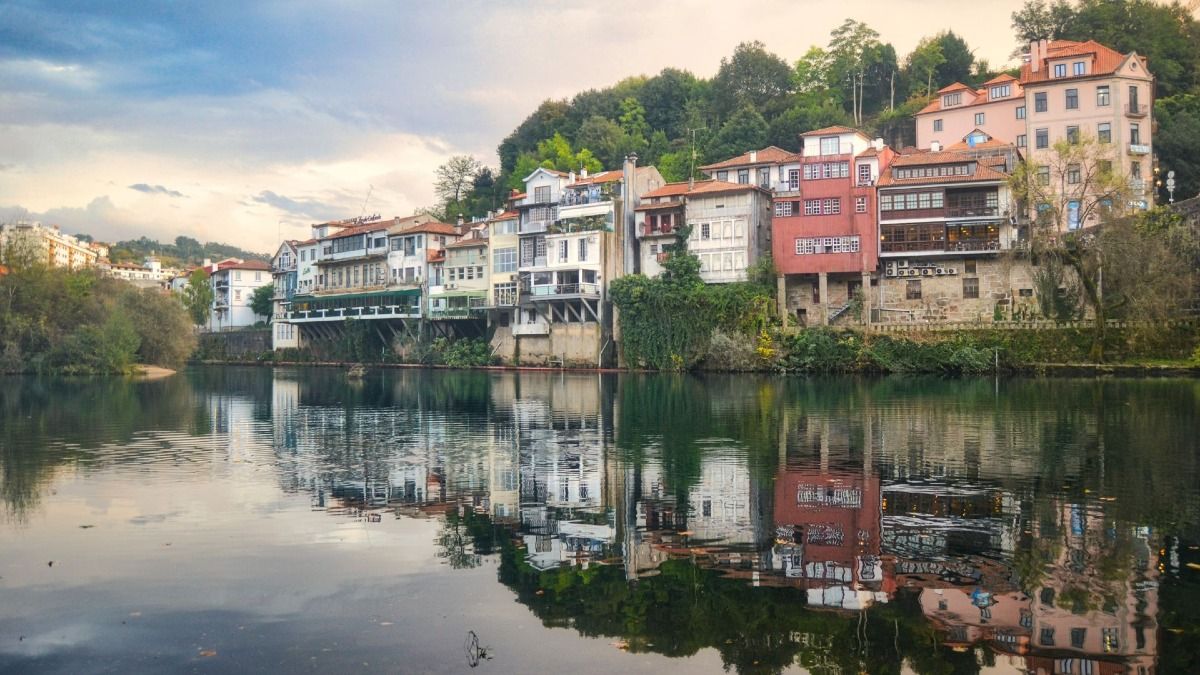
(183, 252)
(757, 98)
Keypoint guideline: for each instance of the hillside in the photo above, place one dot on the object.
(184, 252)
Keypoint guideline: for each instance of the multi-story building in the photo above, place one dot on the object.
(464, 292)
(1066, 90)
(354, 259)
(48, 245)
(730, 226)
(284, 264)
(946, 218)
(503, 242)
(824, 233)
(767, 168)
(233, 284)
(570, 246)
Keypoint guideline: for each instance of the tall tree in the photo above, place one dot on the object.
(753, 76)
(261, 300)
(664, 97)
(746, 130)
(854, 47)
(633, 123)
(923, 64)
(455, 178)
(1041, 20)
(1178, 119)
(958, 61)
(198, 297)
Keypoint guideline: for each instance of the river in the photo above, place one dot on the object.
(256, 520)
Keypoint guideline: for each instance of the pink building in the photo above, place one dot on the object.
(1066, 89)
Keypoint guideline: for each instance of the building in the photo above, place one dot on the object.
(502, 253)
(767, 168)
(730, 226)
(569, 248)
(464, 293)
(946, 219)
(233, 283)
(1066, 90)
(47, 244)
(824, 233)
(284, 263)
(150, 274)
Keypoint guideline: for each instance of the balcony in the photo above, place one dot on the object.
(505, 297)
(865, 182)
(342, 313)
(972, 211)
(1139, 149)
(960, 246)
(555, 290)
(661, 231)
(579, 198)
(535, 227)
(1137, 110)
(536, 261)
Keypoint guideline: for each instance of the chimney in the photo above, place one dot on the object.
(935, 146)
(583, 171)
(691, 183)
(753, 156)
(460, 221)
(877, 144)
(1035, 61)
(571, 178)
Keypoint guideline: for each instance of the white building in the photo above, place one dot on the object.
(233, 284)
(284, 334)
(48, 245)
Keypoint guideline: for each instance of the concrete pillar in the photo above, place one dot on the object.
(823, 290)
(781, 298)
(866, 294)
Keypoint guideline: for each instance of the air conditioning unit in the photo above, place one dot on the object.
(903, 263)
(890, 269)
(951, 270)
(512, 277)
(451, 287)
(927, 271)
(941, 272)
(914, 272)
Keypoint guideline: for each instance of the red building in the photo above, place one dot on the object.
(825, 233)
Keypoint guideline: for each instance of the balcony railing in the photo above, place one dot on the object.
(971, 211)
(564, 289)
(534, 227)
(536, 261)
(961, 245)
(573, 198)
(1139, 149)
(865, 182)
(648, 231)
(1137, 110)
(456, 313)
(340, 313)
(505, 297)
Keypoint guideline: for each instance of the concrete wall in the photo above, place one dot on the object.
(577, 344)
(236, 344)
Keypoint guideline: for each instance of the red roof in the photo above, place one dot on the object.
(699, 187)
(435, 256)
(1106, 60)
(360, 229)
(982, 171)
(999, 79)
(835, 129)
(468, 243)
(432, 228)
(246, 265)
(768, 155)
(507, 215)
(598, 178)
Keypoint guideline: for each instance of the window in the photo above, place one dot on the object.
(541, 194)
(1103, 97)
(1104, 132)
(705, 231)
(237, 276)
(1043, 175)
(258, 276)
(793, 179)
(1104, 166)
(1079, 68)
(970, 288)
(812, 207)
(237, 294)
(583, 249)
(912, 289)
(1041, 138)
(860, 204)
(783, 209)
(1020, 112)
(722, 175)
(952, 99)
(885, 202)
(1021, 140)
(864, 174)
(1039, 102)
(1135, 170)
(831, 145)
(1046, 638)
(504, 260)
(978, 119)
(819, 245)
(1078, 635)
(562, 251)
(764, 178)
(743, 176)
(937, 125)
(910, 200)
(1060, 70)
(1072, 99)
(1072, 135)
(1135, 134)
(831, 207)
(969, 267)
(1000, 91)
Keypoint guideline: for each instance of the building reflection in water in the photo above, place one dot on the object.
(844, 513)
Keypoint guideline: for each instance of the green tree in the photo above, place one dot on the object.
(751, 77)
(923, 64)
(604, 137)
(633, 124)
(261, 300)
(957, 60)
(1178, 119)
(854, 48)
(455, 180)
(745, 130)
(198, 297)
(164, 329)
(549, 118)
(664, 97)
(1041, 20)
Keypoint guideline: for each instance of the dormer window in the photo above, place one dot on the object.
(1060, 70)
(831, 145)
(1000, 91)
(1079, 68)
(952, 99)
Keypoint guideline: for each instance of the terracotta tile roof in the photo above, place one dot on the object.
(431, 228)
(671, 204)
(468, 243)
(768, 155)
(598, 178)
(681, 189)
(982, 171)
(435, 256)
(507, 215)
(307, 242)
(957, 86)
(1106, 60)
(256, 265)
(989, 143)
(1000, 79)
(835, 129)
(360, 229)
(980, 96)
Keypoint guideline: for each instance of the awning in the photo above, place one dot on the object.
(355, 296)
(481, 293)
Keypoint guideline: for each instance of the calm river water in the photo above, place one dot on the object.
(250, 520)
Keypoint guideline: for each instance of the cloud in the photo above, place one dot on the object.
(306, 208)
(155, 189)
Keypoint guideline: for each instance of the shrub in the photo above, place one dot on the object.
(728, 352)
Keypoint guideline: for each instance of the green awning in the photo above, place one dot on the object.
(481, 293)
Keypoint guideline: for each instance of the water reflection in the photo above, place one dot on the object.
(839, 525)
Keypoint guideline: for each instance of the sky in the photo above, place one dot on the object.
(244, 122)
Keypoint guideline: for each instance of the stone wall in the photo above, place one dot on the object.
(235, 344)
(1004, 280)
(568, 344)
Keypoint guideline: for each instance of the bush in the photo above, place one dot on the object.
(728, 352)
(163, 327)
(465, 353)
